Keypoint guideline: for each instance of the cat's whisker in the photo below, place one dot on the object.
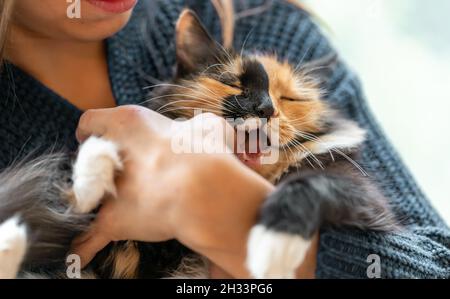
(312, 137)
(241, 54)
(356, 164)
(292, 153)
(165, 84)
(230, 107)
(184, 87)
(306, 116)
(160, 97)
(302, 119)
(200, 101)
(223, 73)
(311, 70)
(307, 151)
(202, 86)
(193, 99)
(237, 101)
(299, 64)
(180, 86)
(284, 149)
(182, 108)
(286, 154)
(211, 66)
(227, 53)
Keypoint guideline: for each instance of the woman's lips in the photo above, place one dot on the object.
(114, 6)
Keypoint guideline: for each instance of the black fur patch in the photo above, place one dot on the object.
(338, 195)
(254, 101)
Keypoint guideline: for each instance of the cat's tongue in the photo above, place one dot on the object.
(251, 159)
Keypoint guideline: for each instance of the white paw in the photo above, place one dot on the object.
(272, 254)
(93, 173)
(13, 245)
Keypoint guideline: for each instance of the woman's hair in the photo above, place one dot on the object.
(225, 10)
(227, 15)
(6, 7)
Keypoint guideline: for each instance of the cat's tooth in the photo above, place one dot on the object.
(253, 123)
(245, 156)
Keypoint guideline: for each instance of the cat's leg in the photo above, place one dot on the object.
(93, 173)
(278, 243)
(292, 215)
(13, 244)
(274, 254)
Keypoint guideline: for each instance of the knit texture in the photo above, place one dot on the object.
(34, 119)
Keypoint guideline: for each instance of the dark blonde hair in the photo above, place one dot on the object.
(227, 15)
(6, 8)
(225, 10)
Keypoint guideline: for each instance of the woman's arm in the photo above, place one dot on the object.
(207, 201)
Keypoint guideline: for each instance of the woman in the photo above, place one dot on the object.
(46, 83)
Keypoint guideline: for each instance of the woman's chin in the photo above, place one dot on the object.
(97, 29)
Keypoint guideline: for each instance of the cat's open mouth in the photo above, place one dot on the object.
(252, 143)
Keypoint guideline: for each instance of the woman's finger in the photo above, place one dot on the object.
(118, 122)
(86, 247)
(93, 122)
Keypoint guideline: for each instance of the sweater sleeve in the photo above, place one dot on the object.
(422, 248)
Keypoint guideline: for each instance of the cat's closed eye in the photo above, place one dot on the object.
(291, 99)
(233, 84)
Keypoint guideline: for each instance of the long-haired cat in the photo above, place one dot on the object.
(318, 182)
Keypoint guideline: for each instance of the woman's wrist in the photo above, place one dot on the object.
(226, 202)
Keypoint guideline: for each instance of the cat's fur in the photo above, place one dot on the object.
(324, 187)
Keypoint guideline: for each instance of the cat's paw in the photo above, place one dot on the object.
(93, 173)
(272, 254)
(13, 245)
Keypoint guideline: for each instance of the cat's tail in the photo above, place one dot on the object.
(38, 222)
(13, 244)
(54, 198)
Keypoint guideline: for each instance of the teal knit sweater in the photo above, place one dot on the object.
(34, 119)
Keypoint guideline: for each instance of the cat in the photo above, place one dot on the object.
(46, 202)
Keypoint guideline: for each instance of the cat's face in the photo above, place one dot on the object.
(245, 86)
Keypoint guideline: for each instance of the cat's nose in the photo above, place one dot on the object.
(265, 110)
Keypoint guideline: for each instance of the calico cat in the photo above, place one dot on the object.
(48, 202)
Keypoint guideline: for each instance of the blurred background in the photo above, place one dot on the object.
(401, 51)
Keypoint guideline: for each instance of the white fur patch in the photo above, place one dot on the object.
(13, 245)
(347, 135)
(93, 173)
(272, 254)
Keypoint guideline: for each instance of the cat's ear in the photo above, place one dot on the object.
(194, 46)
(321, 69)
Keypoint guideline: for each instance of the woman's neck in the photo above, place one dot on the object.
(78, 71)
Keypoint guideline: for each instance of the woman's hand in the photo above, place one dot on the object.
(208, 202)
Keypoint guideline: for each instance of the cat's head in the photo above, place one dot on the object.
(237, 84)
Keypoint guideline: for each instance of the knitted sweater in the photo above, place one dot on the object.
(34, 119)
